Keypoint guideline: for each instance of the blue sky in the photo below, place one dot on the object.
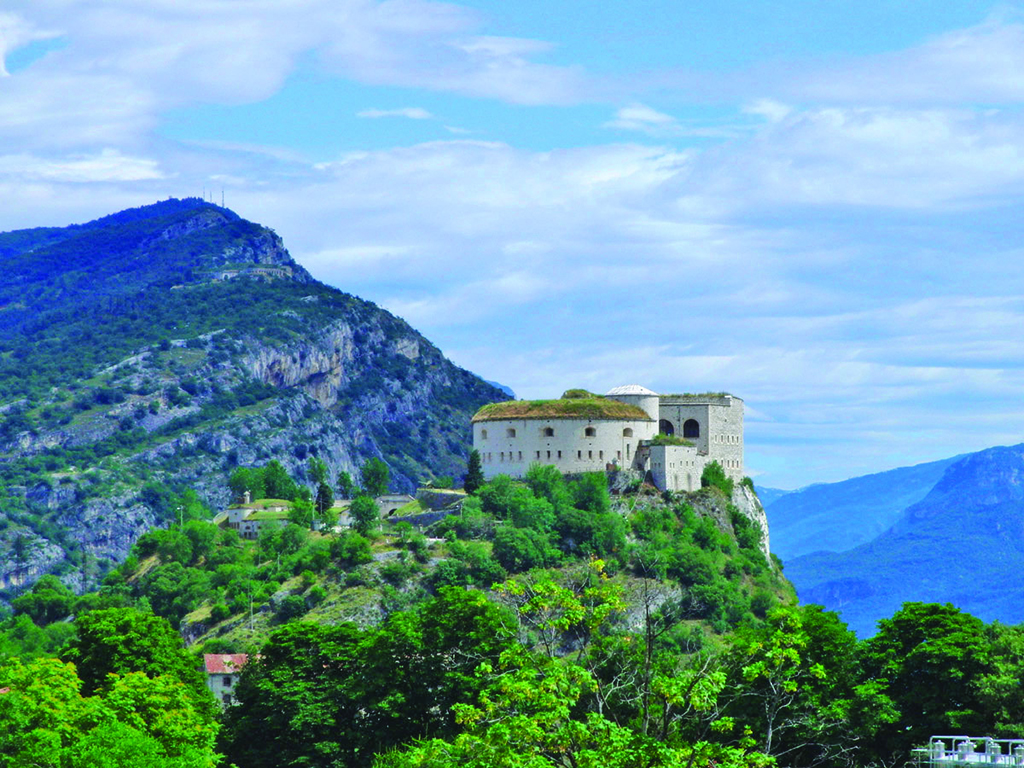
(812, 205)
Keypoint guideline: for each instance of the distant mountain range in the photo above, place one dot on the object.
(154, 350)
(947, 531)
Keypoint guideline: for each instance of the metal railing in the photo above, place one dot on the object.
(949, 751)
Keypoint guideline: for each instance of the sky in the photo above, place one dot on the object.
(814, 206)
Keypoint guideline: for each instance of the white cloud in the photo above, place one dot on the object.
(873, 156)
(126, 62)
(983, 64)
(15, 32)
(107, 166)
(413, 113)
(639, 117)
(769, 109)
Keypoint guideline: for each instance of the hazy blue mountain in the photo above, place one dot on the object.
(507, 390)
(770, 495)
(840, 516)
(962, 543)
(154, 350)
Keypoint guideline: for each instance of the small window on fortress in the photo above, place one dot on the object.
(627, 432)
(579, 454)
(627, 450)
(520, 455)
(691, 428)
(549, 432)
(538, 455)
(559, 454)
(590, 432)
(510, 432)
(600, 455)
(549, 454)
(502, 457)
(483, 434)
(590, 454)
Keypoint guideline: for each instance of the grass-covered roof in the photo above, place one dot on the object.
(589, 408)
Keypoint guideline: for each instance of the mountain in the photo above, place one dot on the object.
(507, 390)
(769, 495)
(962, 543)
(154, 350)
(839, 516)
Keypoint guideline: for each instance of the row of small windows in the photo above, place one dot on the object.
(550, 432)
(734, 439)
(488, 458)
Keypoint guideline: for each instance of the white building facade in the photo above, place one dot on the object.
(591, 433)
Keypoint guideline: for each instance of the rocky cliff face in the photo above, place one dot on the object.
(747, 502)
(204, 347)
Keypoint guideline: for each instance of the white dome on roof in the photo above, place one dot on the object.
(630, 389)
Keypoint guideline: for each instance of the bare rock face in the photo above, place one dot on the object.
(747, 502)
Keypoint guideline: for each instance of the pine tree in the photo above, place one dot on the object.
(474, 472)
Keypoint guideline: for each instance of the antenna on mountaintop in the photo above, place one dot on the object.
(222, 197)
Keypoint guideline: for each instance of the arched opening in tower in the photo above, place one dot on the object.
(665, 427)
(691, 428)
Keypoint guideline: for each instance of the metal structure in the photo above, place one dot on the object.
(950, 751)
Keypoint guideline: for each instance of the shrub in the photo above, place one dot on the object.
(714, 476)
(219, 612)
(520, 549)
(291, 607)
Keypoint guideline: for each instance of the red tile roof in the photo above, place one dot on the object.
(224, 663)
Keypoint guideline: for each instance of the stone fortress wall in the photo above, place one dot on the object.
(512, 436)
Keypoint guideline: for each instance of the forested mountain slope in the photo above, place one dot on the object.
(153, 350)
(838, 516)
(962, 543)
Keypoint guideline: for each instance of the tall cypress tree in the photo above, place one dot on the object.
(474, 472)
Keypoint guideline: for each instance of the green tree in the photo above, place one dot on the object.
(474, 477)
(277, 484)
(324, 499)
(376, 477)
(346, 487)
(302, 512)
(590, 493)
(246, 479)
(138, 722)
(123, 640)
(794, 679)
(534, 712)
(364, 513)
(42, 714)
(714, 476)
(317, 470)
(47, 601)
(520, 549)
(931, 659)
(1000, 687)
(164, 709)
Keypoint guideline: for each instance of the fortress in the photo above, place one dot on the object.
(673, 437)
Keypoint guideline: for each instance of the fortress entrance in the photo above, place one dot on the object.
(665, 427)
